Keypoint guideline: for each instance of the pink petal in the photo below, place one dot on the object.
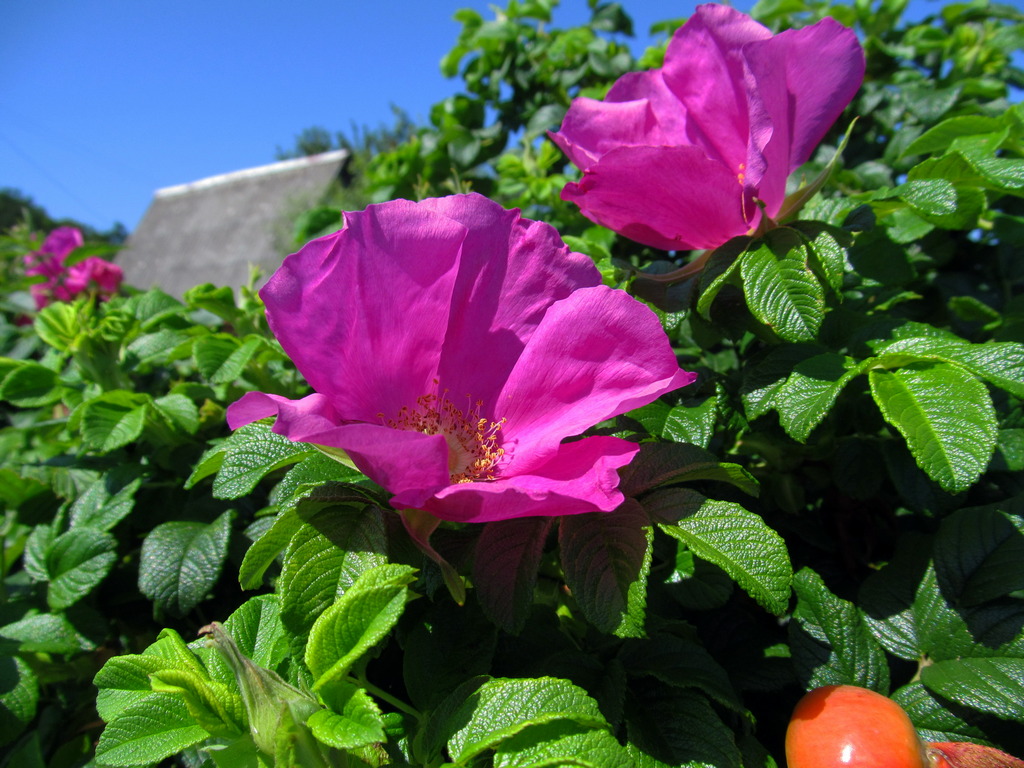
(639, 110)
(580, 476)
(511, 269)
(705, 69)
(62, 241)
(575, 374)
(363, 312)
(404, 462)
(673, 198)
(806, 77)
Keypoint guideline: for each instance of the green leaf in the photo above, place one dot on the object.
(179, 411)
(782, 291)
(689, 422)
(934, 721)
(831, 644)
(250, 453)
(181, 562)
(267, 547)
(357, 621)
(77, 561)
(663, 463)
(763, 380)
(561, 743)
(59, 325)
(978, 555)
(723, 268)
(925, 402)
(741, 544)
(336, 544)
(606, 558)
(944, 203)
(1000, 363)
(990, 685)
(682, 664)
(938, 138)
(504, 707)
(352, 719)
(147, 731)
(508, 555)
(113, 420)
(19, 698)
(806, 397)
(30, 385)
(221, 358)
(47, 633)
(694, 734)
(826, 246)
(215, 706)
(107, 501)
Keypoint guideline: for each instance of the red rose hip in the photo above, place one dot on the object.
(843, 726)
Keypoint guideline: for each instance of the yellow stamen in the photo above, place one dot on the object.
(473, 450)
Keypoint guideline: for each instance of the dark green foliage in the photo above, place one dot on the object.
(838, 499)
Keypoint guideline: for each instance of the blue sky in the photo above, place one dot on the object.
(104, 101)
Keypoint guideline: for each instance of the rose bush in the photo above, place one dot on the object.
(692, 154)
(63, 282)
(513, 346)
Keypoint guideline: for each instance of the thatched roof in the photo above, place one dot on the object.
(211, 230)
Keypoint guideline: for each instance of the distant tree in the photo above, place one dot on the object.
(18, 208)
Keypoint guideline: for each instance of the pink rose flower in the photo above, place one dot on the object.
(453, 347)
(64, 283)
(684, 156)
(93, 273)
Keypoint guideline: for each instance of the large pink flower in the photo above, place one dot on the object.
(95, 274)
(64, 283)
(453, 347)
(685, 156)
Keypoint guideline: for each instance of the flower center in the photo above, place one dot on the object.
(473, 452)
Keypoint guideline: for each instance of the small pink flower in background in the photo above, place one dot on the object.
(64, 283)
(684, 156)
(454, 346)
(96, 274)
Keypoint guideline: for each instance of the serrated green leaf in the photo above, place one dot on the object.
(938, 138)
(267, 547)
(826, 246)
(1000, 363)
(147, 731)
(113, 420)
(933, 721)
(47, 633)
(159, 347)
(978, 555)
(358, 620)
(107, 501)
(944, 203)
(694, 735)
(508, 555)
(561, 743)
(59, 325)
(221, 358)
(925, 402)
(741, 544)
(30, 385)
(504, 707)
(258, 633)
(723, 268)
(689, 422)
(250, 453)
(993, 685)
(606, 558)
(179, 411)
(19, 698)
(325, 557)
(782, 292)
(213, 705)
(124, 680)
(763, 380)
(352, 719)
(830, 643)
(807, 396)
(77, 561)
(181, 561)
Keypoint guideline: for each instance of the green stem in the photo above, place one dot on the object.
(678, 275)
(362, 682)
